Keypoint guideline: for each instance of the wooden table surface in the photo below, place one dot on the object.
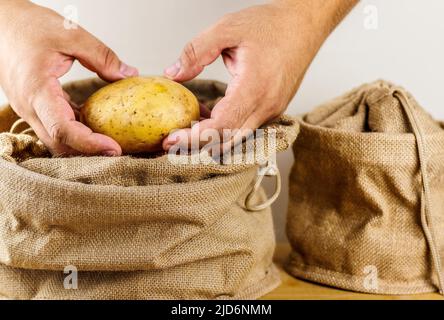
(295, 289)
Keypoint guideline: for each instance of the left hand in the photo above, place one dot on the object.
(267, 50)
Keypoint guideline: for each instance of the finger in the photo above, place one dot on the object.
(201, 52)
(205, 114)
(231, 112)
(67, 97)
(220, 123)
(208, 133)
(99, 58)
(190, 138)
(247, 131)
(55, 148)
(75, 107)
(58, 119)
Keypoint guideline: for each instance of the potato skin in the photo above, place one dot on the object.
(140, 112)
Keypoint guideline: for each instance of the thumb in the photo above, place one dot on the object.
(199, 53)
(58, 119)
(233, 114)
(99, 58)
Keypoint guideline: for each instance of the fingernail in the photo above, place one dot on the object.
(172, 139)
(173, 70)
(110, 153)
(128, 71)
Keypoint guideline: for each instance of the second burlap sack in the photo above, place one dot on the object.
(366, 208)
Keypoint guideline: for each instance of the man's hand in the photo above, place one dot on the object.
(36, 50)
(267, 50)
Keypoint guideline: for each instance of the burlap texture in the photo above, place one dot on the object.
(356, 194)
(135, 228)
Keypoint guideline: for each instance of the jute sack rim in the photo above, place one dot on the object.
(73, 186)
(391, 91)
(39, 181)
(286, 126)
(405, 137)
(186, 162)
(214, 172)
(287, 129)
(312, 138)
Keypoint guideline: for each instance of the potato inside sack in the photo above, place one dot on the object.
(140, 112)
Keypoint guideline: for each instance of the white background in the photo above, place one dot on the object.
(406, 48)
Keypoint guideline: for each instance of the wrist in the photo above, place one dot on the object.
(9, 9)
(6, 4)
(316, 19)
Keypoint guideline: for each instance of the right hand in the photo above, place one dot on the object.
(35, 50)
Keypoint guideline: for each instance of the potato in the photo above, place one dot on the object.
(140, 112)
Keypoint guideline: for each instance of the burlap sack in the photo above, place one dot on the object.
(366, 209)
(134, 228)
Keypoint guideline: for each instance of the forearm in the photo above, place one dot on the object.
(9, 4)
(13, 15)
(319, 17)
